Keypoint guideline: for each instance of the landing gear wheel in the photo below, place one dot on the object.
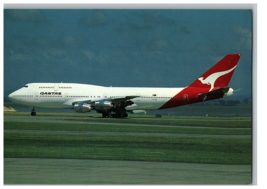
(33, 112)
(104, 115)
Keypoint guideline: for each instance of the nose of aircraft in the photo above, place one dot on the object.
(11, 96)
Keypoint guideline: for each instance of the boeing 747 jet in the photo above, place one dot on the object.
(117, 101)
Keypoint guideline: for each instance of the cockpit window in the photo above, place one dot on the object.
(26, 86)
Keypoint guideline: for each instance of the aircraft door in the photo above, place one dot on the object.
(56, 87)
(36, 96)
(186, 100)
(66, 96)
(138, 98)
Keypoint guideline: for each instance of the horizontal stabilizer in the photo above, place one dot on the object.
(215, 92)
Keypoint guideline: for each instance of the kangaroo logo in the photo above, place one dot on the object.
(211, 79)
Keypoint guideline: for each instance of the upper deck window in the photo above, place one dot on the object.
(26, 86)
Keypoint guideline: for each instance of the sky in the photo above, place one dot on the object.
(124, 48)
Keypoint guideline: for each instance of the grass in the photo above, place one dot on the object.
(223, 150)
(139, 148)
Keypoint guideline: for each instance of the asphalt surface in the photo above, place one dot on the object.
(109, 172)
(127, 133)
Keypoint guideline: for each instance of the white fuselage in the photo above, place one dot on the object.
(213, 84)
(62, 95)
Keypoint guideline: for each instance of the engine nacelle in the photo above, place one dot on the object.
(103, 105)
(82, 107)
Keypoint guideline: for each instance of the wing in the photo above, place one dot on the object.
(122, 99)
(113, 100)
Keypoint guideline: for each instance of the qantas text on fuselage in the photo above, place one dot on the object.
(118, 101)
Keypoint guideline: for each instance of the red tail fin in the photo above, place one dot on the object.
(219, 75)
(215, 79)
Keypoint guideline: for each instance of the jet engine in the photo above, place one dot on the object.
(103, 105)
(82, 107)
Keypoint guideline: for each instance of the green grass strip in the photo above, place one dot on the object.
(10, 125)
(139, 148)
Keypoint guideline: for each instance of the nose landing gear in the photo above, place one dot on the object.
(33, 113)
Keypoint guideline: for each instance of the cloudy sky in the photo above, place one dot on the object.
(139, 48)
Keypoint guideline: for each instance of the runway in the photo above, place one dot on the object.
(100, 120)
(74, 171)
(126, 133)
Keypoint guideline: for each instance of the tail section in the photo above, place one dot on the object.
(211, 85)
(219, 75)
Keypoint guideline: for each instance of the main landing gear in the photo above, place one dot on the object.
(106, 114)
(33, 113)
(117, 114)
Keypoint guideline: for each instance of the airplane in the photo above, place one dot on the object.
(118, 101)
